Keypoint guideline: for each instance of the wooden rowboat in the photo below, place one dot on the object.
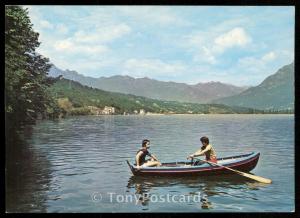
(244, 163)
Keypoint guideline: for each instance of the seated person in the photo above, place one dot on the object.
(206, 149)
(141, 156)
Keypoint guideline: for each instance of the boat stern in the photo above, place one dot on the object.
(131, 167)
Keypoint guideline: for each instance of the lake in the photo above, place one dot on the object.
(78, 164)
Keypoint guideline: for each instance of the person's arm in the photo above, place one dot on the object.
(152, 155)
(137, 158)
(200, 152)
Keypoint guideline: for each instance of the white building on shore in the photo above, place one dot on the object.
(108, 110)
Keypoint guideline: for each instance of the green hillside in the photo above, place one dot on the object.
(169, 91)
(82, 96)
(276, 92)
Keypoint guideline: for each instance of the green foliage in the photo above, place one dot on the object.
(80, 111)
(65, 104)
(83, 96)
(25, 72)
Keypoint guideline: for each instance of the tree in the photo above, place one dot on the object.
(65, 104)
(26, 79)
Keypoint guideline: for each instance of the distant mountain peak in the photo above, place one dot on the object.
(152, 88)
(274, 92)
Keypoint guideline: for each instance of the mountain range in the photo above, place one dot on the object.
(276, 92)
(150, 88)
(82, 98)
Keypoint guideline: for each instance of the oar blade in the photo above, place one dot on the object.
(258, 178)
(254, 177)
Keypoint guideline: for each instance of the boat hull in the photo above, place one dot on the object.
(244, 163)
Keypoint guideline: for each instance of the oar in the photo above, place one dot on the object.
(254, 177)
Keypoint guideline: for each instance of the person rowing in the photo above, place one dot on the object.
(141, 154)
(206, 149)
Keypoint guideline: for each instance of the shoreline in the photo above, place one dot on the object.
(155, 115)
(137, 115)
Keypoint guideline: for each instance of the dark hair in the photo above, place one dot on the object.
(204, 139)
(145, 142)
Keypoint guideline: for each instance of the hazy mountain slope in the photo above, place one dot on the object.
(275, 92)
(83, 96)
(219, 90)
(199, 93)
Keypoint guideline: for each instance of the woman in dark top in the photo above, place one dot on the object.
(141, 156)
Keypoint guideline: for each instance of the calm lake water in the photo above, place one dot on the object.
(78, 165)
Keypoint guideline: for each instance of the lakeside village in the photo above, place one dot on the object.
(111, 111)
(67, 108)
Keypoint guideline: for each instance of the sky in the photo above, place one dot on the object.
(239, 45)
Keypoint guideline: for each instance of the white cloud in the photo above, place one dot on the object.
(256, 64)
(251, 63)
(153, 67)
(205, 55)
(36, 18)
(86, 50)
(63, 44)
(104, 40)
(235, 37)
(207, 46)
(68, 46)
(45, 24)
(254, 69)
(90, 39)
(93, 43)
(157, 15)
(269, 56)
(103, 34)
(288, 55)
(62, 29)
(195, 39)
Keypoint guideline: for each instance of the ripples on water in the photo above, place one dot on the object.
(69, 160)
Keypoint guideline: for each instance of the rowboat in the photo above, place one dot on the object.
(244, 163)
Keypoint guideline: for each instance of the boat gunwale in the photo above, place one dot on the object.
(198, 168)
(218, 159)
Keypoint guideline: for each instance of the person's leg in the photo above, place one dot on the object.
(152, 164)
(150, 159)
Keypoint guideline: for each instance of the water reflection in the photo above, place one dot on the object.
(208, 187)
(27, 175)
(64, 162)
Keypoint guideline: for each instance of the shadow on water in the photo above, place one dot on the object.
(208, 187)
(27, 175)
